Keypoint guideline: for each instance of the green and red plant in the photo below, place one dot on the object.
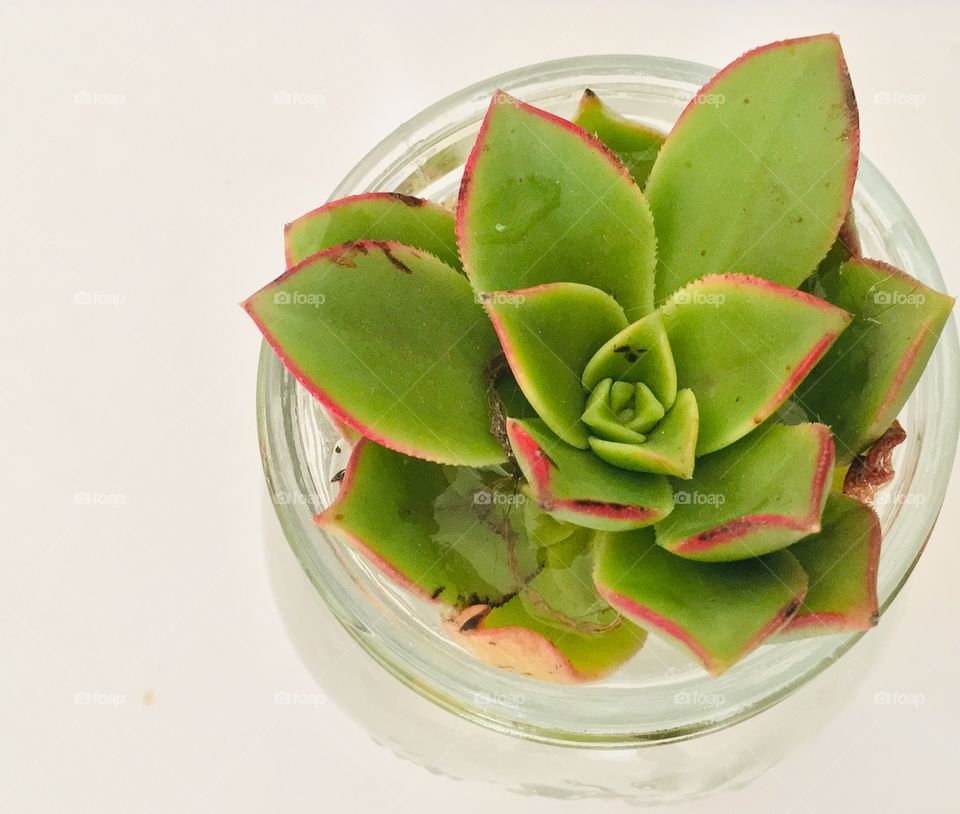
(569, 397)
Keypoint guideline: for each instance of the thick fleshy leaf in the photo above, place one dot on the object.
(445, 533)
(542, 202)
(577, 487)
(667, 450)
(556, 629)
(865, 379)
(374, 216)
(743, 344)
(757, 173)
(841, 563)
(408, 377)
(635, 144)
(719, 611)
(758, 495)
(548, 334)
(639, 353)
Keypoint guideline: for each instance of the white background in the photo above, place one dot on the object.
(145, 174)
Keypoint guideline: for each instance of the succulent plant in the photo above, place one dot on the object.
(612, 392)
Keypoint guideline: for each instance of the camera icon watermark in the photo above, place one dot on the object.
(688, 698)
(297, 98)
(914, 298)
(687, 296)
(499, 699)
(490, 497)
(499, 298)
(97, 698)
(299, 298)
(897, 97)
(896, 698)
(84, 298)
(683, 498)
(709, 99)
(99, 98)
(112, 499)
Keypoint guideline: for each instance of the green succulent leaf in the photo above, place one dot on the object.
(543, 202)
(863, 382)
(639, 353)
(445, 533)
(668, 450)
(577, 487)
(374, 216)
(635, 144)
(756, 175)
(841, 562)
(743, 344)
(548, 334)
(409, 377)
(718, 611)
(758, 495)
(619, 411)
(557, 628)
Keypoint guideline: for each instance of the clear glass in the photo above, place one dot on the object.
(661, 697)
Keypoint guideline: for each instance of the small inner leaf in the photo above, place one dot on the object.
(635, 144)
(669, 449)
(639, 353)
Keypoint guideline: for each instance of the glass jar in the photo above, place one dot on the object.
(659, 729)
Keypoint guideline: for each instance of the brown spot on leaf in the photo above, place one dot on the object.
(791, 609)
(341, 259)
(339, 476)
(474, 620)
(355, 246)
(407, 200)
(872, 470)
(397, 263)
